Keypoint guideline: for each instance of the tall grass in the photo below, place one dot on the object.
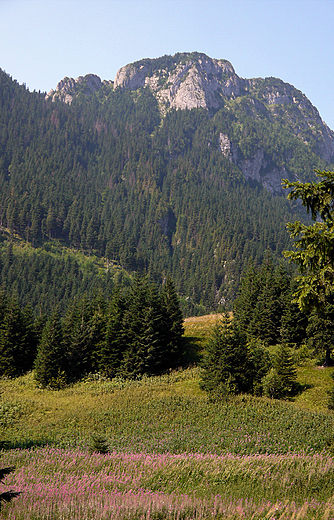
(160, 415)
(71, 484)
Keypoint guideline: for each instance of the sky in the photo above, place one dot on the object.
(42, 41)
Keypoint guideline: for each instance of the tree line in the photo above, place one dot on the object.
(237, 358)
(265, 315)
(135, 332)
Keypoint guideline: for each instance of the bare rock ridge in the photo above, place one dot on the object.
(68, 88)
(193, 80)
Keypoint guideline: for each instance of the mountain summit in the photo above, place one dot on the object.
(183, 81)
(196, 81)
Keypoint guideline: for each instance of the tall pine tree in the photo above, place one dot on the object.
(50, 363)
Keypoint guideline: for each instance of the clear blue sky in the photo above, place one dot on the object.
(41, 41)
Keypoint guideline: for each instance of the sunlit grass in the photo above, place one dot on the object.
(63, 484)
(198, 329)
(169, 413)
(318, 383)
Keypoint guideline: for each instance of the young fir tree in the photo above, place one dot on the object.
(30, 339)
(172, 324)
(319, 332)
(78, 338)
(314, 253)
(259, 364)
(261, 302)
(249, 290)
(17, 338)
(10, 336)
(50, 363)
(144, 332)
(227, 369)
(294, 322)
(281, 381)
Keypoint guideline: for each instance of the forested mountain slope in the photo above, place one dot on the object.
(173, 168)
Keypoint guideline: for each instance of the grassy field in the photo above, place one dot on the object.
(172, 453)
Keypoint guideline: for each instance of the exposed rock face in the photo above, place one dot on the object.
(68, 88)
(304, 117)
(254, 168)
(197, 81)
(193, 83)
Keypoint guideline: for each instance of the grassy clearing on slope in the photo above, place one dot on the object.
(158, 414)
(318, 382)
(198, 330)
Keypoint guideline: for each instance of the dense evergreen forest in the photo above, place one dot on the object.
(136, 331)
(110, 176)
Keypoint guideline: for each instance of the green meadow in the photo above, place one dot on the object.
(169, 451)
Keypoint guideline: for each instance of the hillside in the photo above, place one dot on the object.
(174, 167)
(171, 452)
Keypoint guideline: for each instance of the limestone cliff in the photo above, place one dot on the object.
(187, 81)
(195, 81)
(68, 88)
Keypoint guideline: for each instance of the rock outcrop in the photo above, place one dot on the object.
(196, 81)
(68, 88)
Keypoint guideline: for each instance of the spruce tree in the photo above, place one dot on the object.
(281, 381)
(262, 301)
(144, 334)
(172, 325)
(10, 336)
(17, 338)
(78, 338)
(28, 349)
(113, 344)
(314, 244)
(245, 303)
(226, 365)
(293, 329)
(314, 255)
(151, 341)
(320, 332)
(50, 363)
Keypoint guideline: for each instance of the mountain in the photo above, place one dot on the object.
(190, 81)
(173, 167)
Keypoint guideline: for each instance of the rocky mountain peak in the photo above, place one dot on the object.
(194, 80)
(183, 81)
(68, 88)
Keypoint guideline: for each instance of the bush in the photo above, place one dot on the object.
(99, 444)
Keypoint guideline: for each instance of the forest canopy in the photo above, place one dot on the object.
(110, 176)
